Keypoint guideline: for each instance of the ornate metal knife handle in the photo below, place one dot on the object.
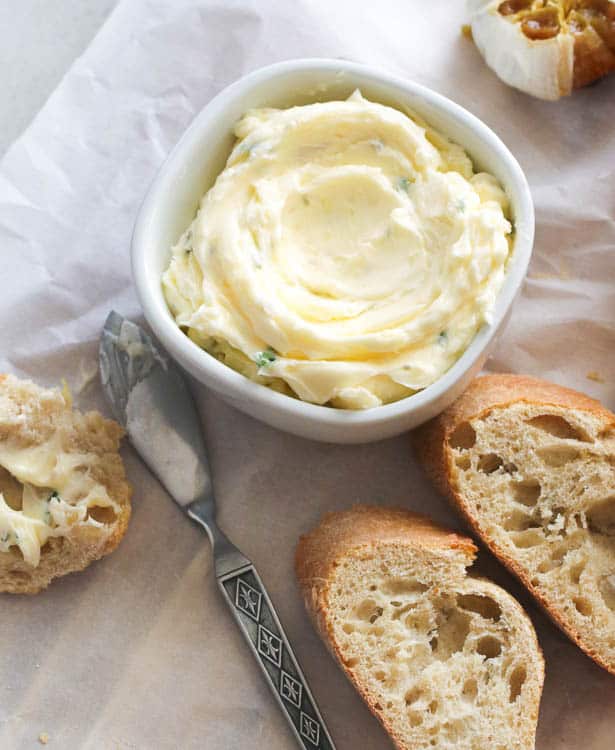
(254, 612)
(149, 396)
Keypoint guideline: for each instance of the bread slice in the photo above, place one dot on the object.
(443, 659)
(531, 466)
(64, 500)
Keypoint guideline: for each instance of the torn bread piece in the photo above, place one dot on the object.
(531, 466)
(443, 659)
(64, 499)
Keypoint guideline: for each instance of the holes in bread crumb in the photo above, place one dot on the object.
(606, 586)
(559, 551)
(517, 678)
(366, 609)
(526, 493)
(352, 662)
(489, 462)
(558, 455)
(413, 695)
(403, 586)
(601, 517)
(433, 706)
(452, 633)
(373, 587)
(576, 570)
(481, 605)
(376, 615)
(348, 628)
(583, 605)
(518, 521)
(419, 621)
(489, 647)
(527, 539)
(559, 427)
(102, 514)
(546, 566)
(463, 462)
(415, 719)
(463, 437)
(469, 691)
(402, 610)
(556, 522)
(380, 675)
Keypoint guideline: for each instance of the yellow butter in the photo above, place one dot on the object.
(346, 252)
(58, 489)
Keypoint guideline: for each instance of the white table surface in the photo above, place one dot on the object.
(39, 39)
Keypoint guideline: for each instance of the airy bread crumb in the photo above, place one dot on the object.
(443, 659)
(531, 465)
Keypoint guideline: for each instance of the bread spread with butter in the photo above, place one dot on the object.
(64, 499)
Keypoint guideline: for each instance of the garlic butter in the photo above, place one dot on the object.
(347, 254)
(45, 490)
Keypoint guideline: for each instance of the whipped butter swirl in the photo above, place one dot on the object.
(347, 254)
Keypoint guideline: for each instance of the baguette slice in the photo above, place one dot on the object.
(531, 466)
(64, 500)
(444, 660)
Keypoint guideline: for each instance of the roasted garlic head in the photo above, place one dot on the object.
(546, 48)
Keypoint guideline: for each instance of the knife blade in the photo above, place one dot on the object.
(150, 398)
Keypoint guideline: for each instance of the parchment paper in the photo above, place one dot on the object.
(139, 651)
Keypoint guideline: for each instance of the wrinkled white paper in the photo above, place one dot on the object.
(139, 650)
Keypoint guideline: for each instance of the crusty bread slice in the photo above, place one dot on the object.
(64, 500)
(443, 659)
(531, 466)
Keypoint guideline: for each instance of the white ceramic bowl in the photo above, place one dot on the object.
(199, 157)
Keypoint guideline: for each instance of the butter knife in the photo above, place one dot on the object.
(149, 397)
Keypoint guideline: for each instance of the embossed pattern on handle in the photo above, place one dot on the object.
(259, 622)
